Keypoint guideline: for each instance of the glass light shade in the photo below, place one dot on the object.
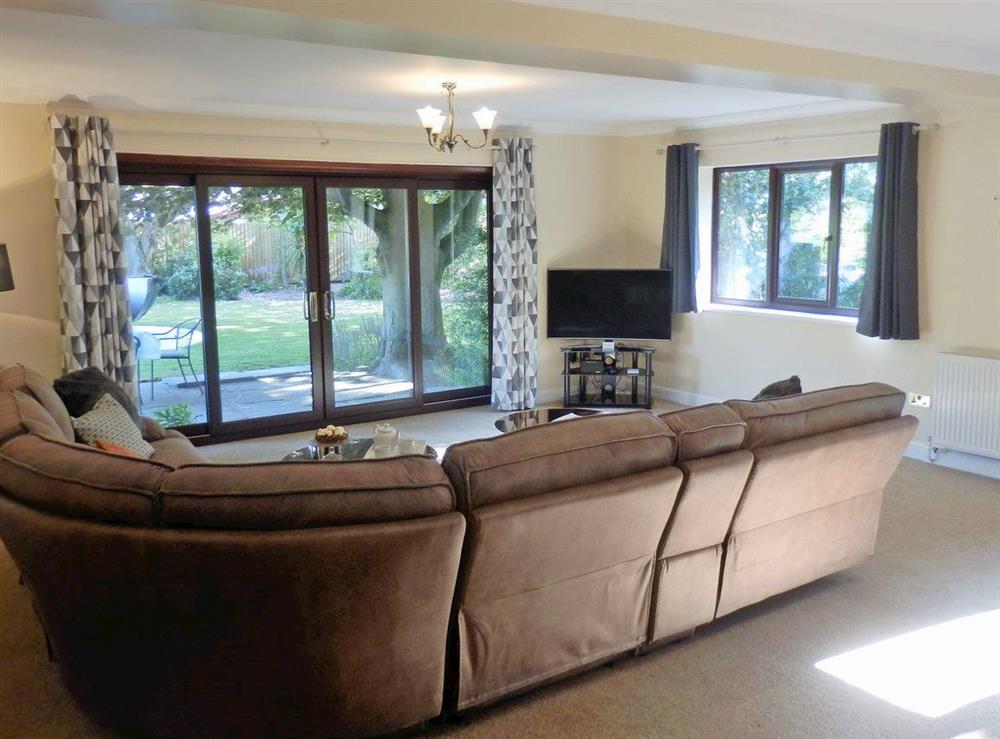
(428, 116)
(438, 124)
(485, 117)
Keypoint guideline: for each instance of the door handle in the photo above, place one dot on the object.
(329, 305)
(305, 305)
(313, 308)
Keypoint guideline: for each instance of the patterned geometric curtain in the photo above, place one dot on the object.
(95, 319)
(515, 277)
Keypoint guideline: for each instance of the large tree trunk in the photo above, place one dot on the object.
(450, 226)
(390, 225)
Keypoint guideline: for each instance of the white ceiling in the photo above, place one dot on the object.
(46, 57)
(962, 34)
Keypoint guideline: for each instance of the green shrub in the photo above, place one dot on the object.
(359, 345)
(175, 415)
(362, 286)
(180, 275)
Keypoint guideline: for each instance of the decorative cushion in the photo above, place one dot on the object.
(81, 390)
(107, 446)
(781, 388)
(111, 423)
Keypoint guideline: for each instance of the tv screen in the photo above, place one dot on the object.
(609, 303)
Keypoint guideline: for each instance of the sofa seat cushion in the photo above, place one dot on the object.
(18, 377)
(75, 480)
(175, 450)
(296, 495)
(706, 430)
(798, 416)
(555, 456)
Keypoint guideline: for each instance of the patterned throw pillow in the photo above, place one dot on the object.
(111, 423)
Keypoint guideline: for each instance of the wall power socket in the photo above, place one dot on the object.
(920, 401)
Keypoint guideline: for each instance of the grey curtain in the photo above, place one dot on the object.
(680, 224)
(93, 278)
(889, 307)
(515, 277)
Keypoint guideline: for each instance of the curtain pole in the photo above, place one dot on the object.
(787, 139)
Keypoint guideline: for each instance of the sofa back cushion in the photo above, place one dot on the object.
(799, 416)
(557, 455)
(71, 479)
(17, 377)
(706, 431)
(20, 413)
(810, 508)
(298, 495)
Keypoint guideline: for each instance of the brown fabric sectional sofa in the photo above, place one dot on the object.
(181, 598)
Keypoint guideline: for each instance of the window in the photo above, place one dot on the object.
(792, 236)
(277, 294)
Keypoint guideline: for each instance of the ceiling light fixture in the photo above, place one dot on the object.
(435, 123)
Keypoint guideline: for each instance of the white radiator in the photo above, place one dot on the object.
(967, 405)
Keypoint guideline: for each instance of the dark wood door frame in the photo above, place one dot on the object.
(204, 172)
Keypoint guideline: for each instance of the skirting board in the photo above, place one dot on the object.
(955, 460)
(682, 397)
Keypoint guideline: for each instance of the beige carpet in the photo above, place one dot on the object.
(750, 675)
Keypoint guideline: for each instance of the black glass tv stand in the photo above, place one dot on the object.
(595, 378)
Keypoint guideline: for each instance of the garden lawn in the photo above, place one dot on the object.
(258, 331)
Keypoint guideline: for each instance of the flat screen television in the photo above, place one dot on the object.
(609, 303)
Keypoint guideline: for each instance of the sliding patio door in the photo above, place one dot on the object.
(263, 362)
(367, 296)
(278, 301)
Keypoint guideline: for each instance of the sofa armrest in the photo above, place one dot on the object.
(152, 430)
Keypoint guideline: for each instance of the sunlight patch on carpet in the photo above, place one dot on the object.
(931, 671)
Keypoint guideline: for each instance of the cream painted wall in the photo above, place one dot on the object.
(599, 204)
(29, 315)
(574, 176)
(718, 354)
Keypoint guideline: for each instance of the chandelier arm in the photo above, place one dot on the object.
(470, 145)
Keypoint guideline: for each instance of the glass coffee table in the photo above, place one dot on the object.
(352, 449)
(539, 417)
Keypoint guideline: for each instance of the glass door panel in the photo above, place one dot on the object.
(368, 302)
(261, 301)
(164, 280)
(804, 238)
(857, 203)
(454, 289)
